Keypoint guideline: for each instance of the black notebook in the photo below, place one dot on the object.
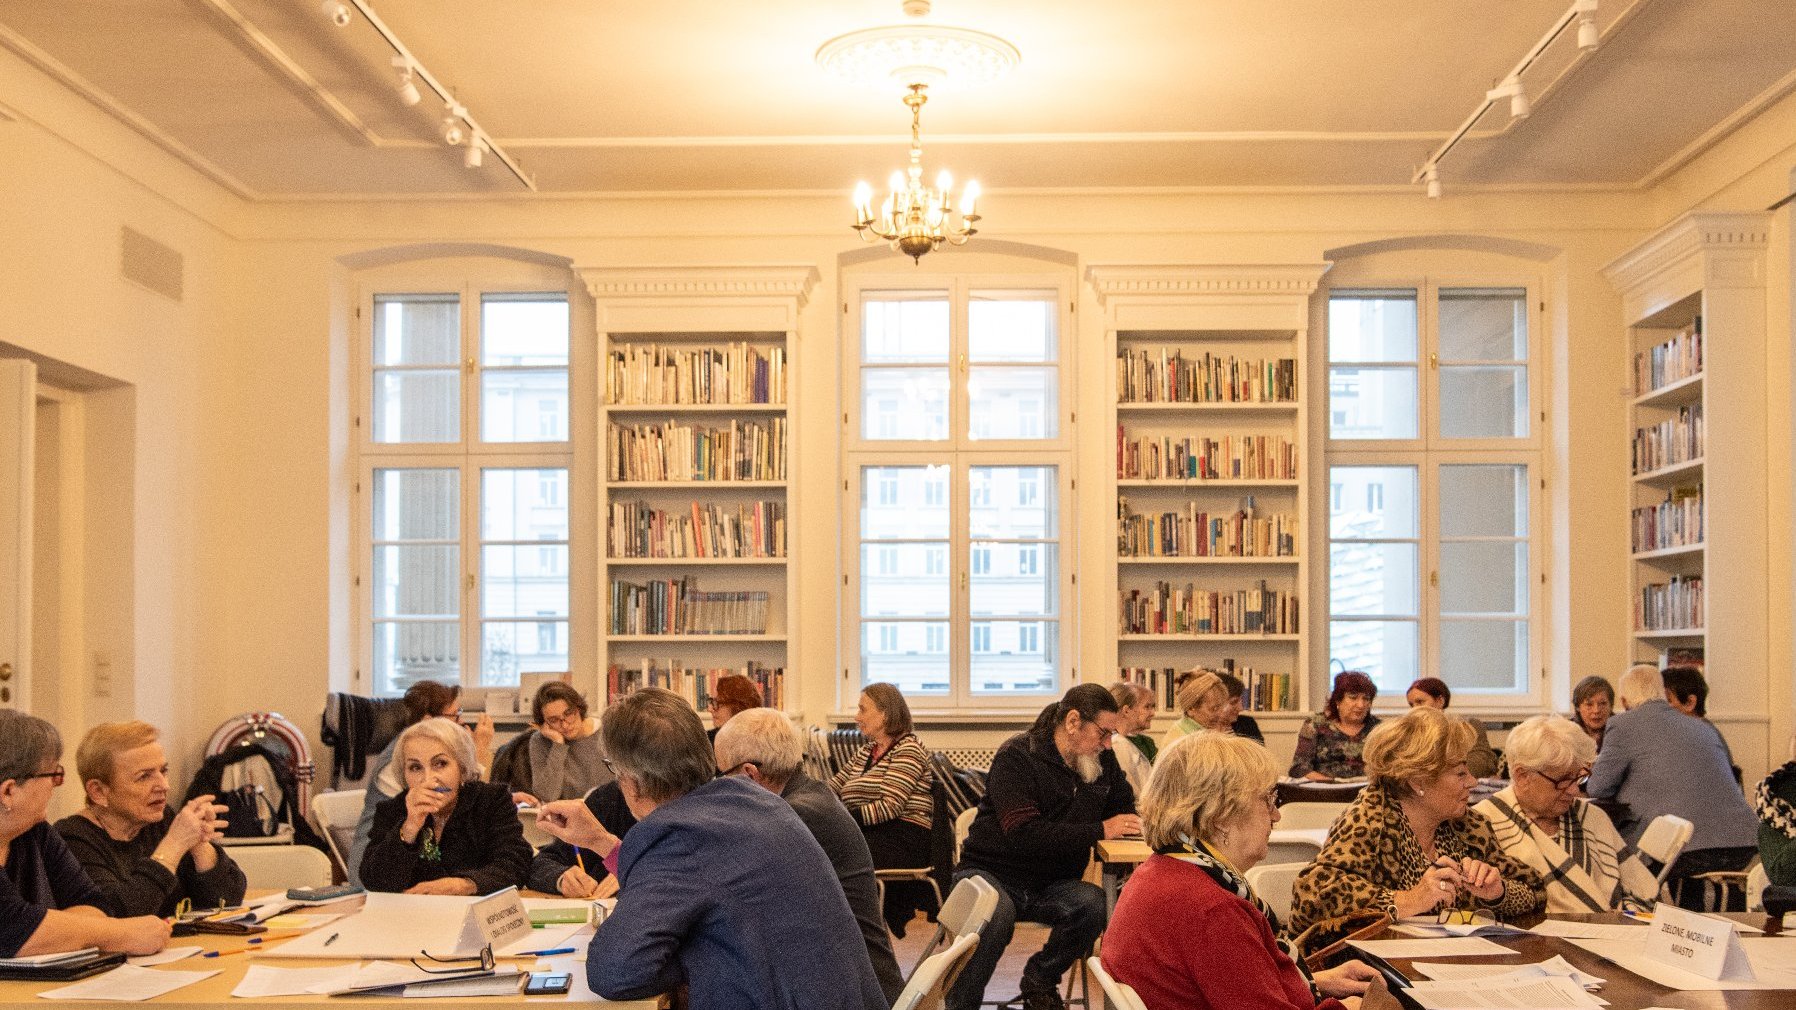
(65, 970)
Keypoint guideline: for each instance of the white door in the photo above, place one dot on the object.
(18, 412)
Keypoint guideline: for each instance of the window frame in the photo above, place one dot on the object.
(960, 453)
(1431, 451)
(469, 282)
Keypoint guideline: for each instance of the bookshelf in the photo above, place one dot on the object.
(1694, 298)
(1206, 556)
(697, 519)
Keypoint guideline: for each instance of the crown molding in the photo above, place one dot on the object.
(1293, 279)
(1689, 236)
(793, 281)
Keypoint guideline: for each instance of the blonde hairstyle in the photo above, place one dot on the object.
(94, 758)
(1195, 688)
(456, 740)
(1549, 743)
(1129, 693)
(1200, 783)
(1420, 744)
(1641, 684)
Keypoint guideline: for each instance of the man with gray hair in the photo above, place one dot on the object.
(721, 887)
(762, 746)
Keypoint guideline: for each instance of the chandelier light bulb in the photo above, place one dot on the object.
(896, 182)
(968, 198)
(944, 182)
(916, 218)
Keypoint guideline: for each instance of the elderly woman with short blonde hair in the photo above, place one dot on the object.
(1540, 821)
(1208, 813)
(1203, 706)
(1408, 845)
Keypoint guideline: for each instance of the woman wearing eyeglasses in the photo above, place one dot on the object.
(1540, 820)
(561, 758)
(47, 903)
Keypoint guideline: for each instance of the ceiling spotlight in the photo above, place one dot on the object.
(453, 133)
(1588, 36)
(1432, 176)
(475, 154)
(408, 88)
(337, 11)
(1512, 89)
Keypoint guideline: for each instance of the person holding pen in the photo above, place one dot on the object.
(448, 832)
(560, 868)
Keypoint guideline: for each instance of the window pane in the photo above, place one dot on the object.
(523, 405)
(417, 330)
(904, 403)
(1013, 402)
(523, 504)
(1484, 324)
(417, 505)
(417, 406)
(904, 503)
(1487, 401)
(508, 648)
(1018, 581)
(1012, 502)
(904, 654)
(523, 581)
(1484, 655)
(904, 328)
(523, 330)
(1372, 326)
(1372, 402)
(1484, 578)
(1484, 501)
(1372, 502)
(416, 581)
(1010, 329)
(1386, 651)
(1372, 579)
(406, 652)
(900, 580)
(1015, 657)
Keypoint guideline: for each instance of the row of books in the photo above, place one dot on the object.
(1265, 692)
(745, 450)
(695, 684)
(1162, 377)
(1670, 442)
(1675, 359)
(1674, 522)
(679, 607)
(1197, 533)
(657, 374)
(751, 530)
(1670, 606)
(1232, 457)
(1170, 610)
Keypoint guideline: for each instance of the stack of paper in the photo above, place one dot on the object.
(128, 983)
(1449, 946)
(1501, 973)
(1548, 993)
(46, 960)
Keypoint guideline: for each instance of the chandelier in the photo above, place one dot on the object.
(916, 218)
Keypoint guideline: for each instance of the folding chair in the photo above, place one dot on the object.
(1756, 882)
(279, 867)
(965, 913)
(1273, 883)
(1664, 840)
(335, 813)
(1116, 994)
(927, 988)
(1303, 816)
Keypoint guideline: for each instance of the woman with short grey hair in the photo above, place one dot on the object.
(1540, 821)
(47, 902)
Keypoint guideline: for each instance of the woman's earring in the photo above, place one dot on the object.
(1421, 792)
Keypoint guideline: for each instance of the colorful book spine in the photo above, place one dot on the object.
(745, 450)
(695, 684)
(679, 607)
(751, 530)
(1675, 522)
(1673, 605)
(1170, 376)
(1670, 442)
(1172, 610)
(1232, 457)
(650, 374)
(1672, 361)
(1197, 533)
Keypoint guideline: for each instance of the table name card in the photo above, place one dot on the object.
(1698, 944)
(495, 920)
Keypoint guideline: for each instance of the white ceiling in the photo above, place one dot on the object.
(269, 98)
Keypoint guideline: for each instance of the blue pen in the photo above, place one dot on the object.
(546, 953)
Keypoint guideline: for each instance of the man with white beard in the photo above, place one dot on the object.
(1054, 792)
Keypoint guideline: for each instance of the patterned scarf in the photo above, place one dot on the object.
(1217, 869)
(1772, 808)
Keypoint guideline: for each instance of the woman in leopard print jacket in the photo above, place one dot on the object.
(1408, 845)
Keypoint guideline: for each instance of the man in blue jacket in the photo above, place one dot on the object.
(721, 887)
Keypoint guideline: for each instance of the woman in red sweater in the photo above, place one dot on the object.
(1188, 933)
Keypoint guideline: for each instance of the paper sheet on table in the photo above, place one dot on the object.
(1446, 946)
(401, 925)
(1556, 965)
(294, 920)
(1636, 933)
(129, 984)
(1481, 925)
(167, 955)
(368, 976)
(1773, 963)
(1535, 994)
(262, 980)
(504, 983)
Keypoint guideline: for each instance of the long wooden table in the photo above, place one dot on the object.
(1118, 857)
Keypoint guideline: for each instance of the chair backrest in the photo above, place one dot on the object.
(1291, 850)
(1296, 816)
(962, 825)
(1756, 882)
(1116, 994)
(927, 988)
(1664, 839)
(278, 867)
(1273, 883)
(335, 814)
(966, 912)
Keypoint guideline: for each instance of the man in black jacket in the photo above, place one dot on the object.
(1053, 793)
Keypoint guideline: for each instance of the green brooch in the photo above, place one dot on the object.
(433, 853)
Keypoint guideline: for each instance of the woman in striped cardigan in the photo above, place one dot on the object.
(887, 787)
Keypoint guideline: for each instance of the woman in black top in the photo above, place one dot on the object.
(142, 854)
(47, 904)
(449, 832)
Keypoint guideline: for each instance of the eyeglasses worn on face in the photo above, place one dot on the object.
(1563, 783)
(55, 776)
(738, 766)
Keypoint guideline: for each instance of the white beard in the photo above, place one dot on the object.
(1089, 768)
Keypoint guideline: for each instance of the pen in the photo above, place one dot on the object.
(220, 953)
(546, 953)
(441, 789)
(579, 859)
(331, 939)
